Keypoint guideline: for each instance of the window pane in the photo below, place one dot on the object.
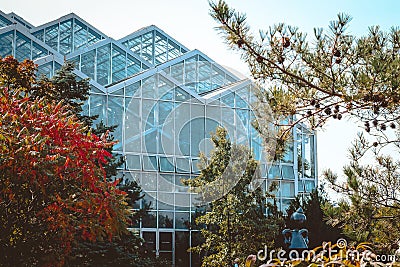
(66, 37)
(182, 220)
(133, 131)
(103, 64)
(115, 113)
(166, 183)
(23, 47)
(118, 64)
(287, 189)
(149, 181)
(38, 51)
(287, 172)
(150, 163)
(167, 164)
(51, 36)
(274, 172)
(133, 162)
(6, 44)
(165, 220)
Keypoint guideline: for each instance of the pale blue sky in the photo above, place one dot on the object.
(189, 23)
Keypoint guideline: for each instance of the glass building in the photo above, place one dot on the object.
(166, 100)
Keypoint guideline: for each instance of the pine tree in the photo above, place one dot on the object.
(327, 76)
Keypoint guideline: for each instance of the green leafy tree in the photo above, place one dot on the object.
(235, 223)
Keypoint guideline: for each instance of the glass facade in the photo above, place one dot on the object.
(166, 101)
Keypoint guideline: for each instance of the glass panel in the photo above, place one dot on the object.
(288, 157)
(80, 34)
(165, 89)
(287, 172)
(149, 181)
(115, 112)
(241, 100)
(229, 99)
(103, 64)
(133, 131)
(287, 189)
(132, 66)
(309, 156)
(118, 64)
(177, 72)
(133, 162)
(173, 50)
(285, 205)
(149, 88)
(195, 167)
(274, 172)
(76, 60)
(149, 220)
(197, 135)
(166, 183)
(179, 186)
(134, 44)
(38, 51)
(181, 95)
(51, 37)
(150, 163)
(66, 37)
(165, 220)
(149, 124)
(132, 89)
(182, 202)
(6, 44)
(182, 165)
(4, 22)
(182, 220)
(93, 37)
(165, 201)
(184, 137)
(309, 185)
(118, 92)
(98, 107)
(39, 35)
(300, 186)
(87, 63)
(160, 49)
(167, 164)
(147, 46)
(23, 47)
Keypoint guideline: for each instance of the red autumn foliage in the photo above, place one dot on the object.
(53, 190)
